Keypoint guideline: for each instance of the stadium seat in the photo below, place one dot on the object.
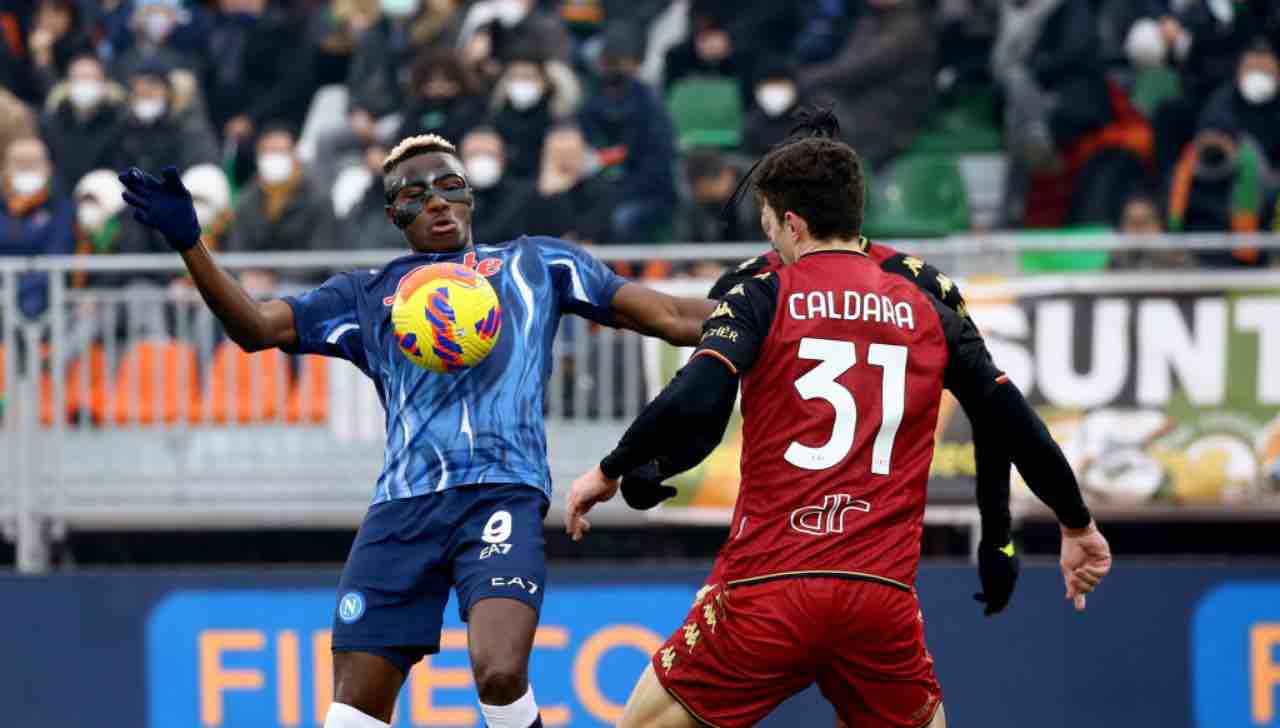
(256, 385)
(918, 196)
(707, 111)
(1154, 86)
(155, 382)
(309, 396)
(967, 125)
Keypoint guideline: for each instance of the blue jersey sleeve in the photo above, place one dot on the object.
(583, 284)
(327, 321)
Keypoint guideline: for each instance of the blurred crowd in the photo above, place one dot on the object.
(615, 122)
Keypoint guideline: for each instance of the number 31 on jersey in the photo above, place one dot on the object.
(835, 358)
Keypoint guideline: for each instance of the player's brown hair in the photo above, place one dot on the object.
(415, 145)
(819, 179)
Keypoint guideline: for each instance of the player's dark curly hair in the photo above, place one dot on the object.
(815, 176)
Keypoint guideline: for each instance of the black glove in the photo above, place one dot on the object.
(642, 488)
(164, 205)
(998, 569)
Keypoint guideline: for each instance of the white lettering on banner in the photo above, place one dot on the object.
(1005, 325)
(1108, 365)
(1166, 347)
(1262, 315)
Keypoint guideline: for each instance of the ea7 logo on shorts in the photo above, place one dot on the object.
(495, 550)
(828, 517)
(351, 607)
(515, 581)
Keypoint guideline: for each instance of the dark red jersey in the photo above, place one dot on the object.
(908, 266)
(843, 365)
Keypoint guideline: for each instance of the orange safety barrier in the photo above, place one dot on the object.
(309, 398)
(170, 364)
(87, 381)
(260, 381)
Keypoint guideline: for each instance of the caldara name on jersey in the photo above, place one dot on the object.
(851, 306)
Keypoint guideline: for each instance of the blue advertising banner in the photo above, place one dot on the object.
(1186, 645)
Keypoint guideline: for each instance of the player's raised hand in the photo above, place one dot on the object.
(164, 204)
(1086, 558)
(589, 489)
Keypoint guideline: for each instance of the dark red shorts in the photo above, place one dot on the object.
(744, 649)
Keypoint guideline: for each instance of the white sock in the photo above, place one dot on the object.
(344, 716)
(520, 714)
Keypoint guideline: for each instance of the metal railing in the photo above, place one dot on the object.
(126, 408)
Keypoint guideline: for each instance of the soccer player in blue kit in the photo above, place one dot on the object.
(464, 485)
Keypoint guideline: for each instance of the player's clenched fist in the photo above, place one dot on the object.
(1086, 558)
(589, 489)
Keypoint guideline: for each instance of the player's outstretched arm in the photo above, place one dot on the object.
(997, 406)
(688, 417)
(675, 319)
(164, 205)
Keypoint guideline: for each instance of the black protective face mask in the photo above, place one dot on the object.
(403, 213)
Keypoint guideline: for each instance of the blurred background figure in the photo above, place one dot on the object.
(774, 99)
(444, 97)
(492, 30)
(1217, 186)
(152, 36)
(631, 130)
(211, 196)
(282, 208)
(263, 70)
(1247, 104)
(706, 218)
(502, 198)
(58, 32)
(162, 127)
(360, 204)
(569, 201)
(1142, 214)
(82, 119)
(532, 94)
(881, 80)
(37, 219)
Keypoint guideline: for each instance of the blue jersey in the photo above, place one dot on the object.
(478, 425)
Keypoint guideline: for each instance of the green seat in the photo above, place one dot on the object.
(1154, 86)
(1065, 260)
(966, 125)
(919, 196)
(707, 111)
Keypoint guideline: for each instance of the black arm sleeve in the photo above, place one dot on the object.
(688, 418)
(997, 407)
(683, 424)
(992, 480)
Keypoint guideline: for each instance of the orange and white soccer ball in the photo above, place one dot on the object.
(446, 317)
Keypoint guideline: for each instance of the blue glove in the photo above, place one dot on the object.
(164, 205)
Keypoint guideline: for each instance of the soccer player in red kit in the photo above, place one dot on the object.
(842, 366)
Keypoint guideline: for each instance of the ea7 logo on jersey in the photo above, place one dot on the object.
(526, 584)
(828, 517)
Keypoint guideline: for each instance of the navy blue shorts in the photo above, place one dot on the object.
(484, 541)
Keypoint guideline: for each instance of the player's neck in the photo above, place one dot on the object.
(805, 247)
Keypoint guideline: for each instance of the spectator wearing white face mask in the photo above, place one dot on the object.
(153, 32)
(774, 99)
(161, 127)
(529, 98)
(1249, 105)
(502, 199)
(34, 219)
(282, 208)
(81, 118)
(105, 227)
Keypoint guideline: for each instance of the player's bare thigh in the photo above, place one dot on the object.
(651, 706)
(939, 720)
